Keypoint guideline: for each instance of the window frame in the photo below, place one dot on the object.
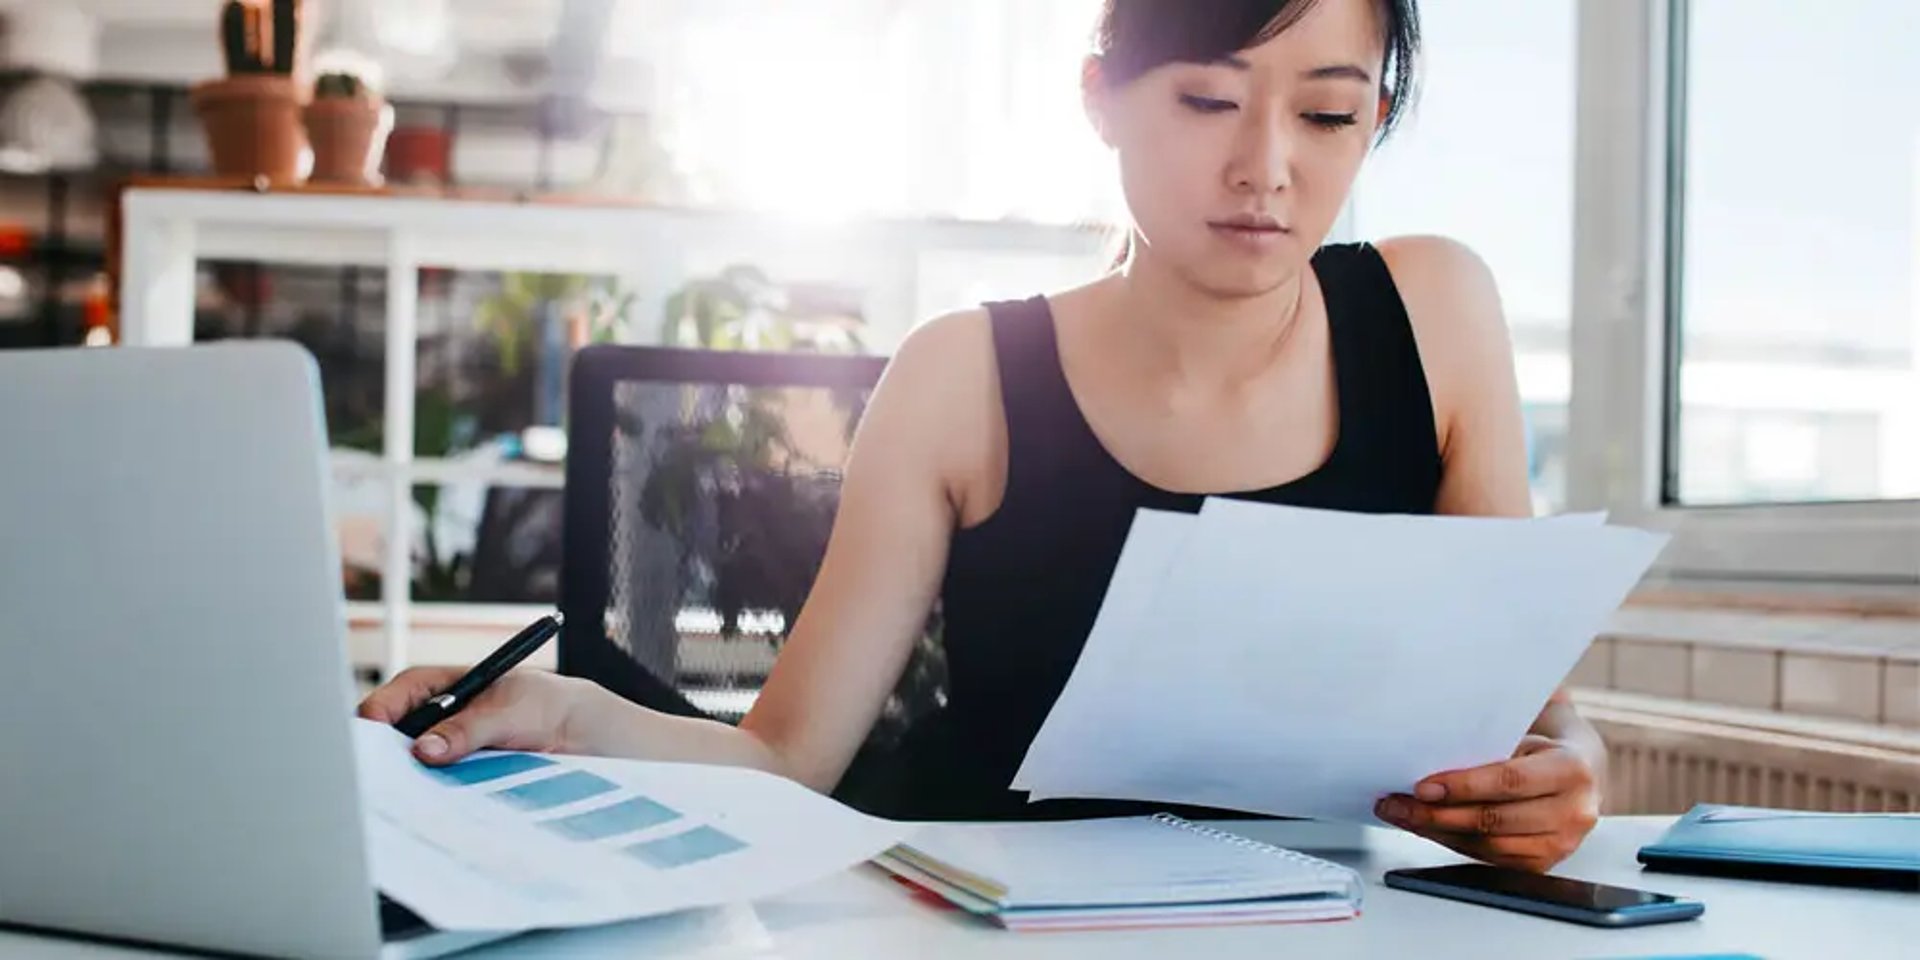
(1629, 262)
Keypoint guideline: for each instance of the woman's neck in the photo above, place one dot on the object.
(1188, 335)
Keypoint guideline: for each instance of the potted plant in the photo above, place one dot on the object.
(743, 309)
(252, 115)
(744, 495)
(775, 498)
(348, 121)
(537, 321)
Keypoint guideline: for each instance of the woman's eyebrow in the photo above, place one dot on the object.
(1334, 71)
(1339, 71)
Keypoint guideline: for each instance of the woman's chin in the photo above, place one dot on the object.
(1242, 278)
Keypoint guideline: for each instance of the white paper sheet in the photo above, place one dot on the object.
(1153, 544)
(579, 840)
(1305, 663)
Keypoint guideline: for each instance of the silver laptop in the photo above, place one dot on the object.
(176, 762)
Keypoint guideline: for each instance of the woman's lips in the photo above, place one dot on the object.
(1257, 234)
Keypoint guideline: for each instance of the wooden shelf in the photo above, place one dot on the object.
(313, 189)
(540, 198)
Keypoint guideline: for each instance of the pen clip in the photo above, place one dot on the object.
(443, 701)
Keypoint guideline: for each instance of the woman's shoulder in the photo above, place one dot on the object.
(943, 388)
(1438, 274)
(949, 366)
(941, 361)
(1448, 290)
(948, 331)
(1453, 305)
(963, 341)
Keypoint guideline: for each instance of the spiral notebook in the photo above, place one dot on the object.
(1130, 872)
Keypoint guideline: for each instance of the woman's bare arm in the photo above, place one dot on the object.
(1532, 810)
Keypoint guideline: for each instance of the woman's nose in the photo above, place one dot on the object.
(1264, 159)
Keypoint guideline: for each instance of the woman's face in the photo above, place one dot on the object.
(1235, 171)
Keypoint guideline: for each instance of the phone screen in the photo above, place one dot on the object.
(1577, 894)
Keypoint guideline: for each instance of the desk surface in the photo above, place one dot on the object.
(863, 914)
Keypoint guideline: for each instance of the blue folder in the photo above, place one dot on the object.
(1877, 850)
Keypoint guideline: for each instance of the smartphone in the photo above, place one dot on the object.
(1560, 898)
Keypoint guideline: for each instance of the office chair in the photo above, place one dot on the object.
(700, 490)
(516, 550)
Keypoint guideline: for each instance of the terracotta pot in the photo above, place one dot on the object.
(420, 156)
(253, 126)
(349, 136)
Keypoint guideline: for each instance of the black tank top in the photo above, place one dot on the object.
(1022, 588)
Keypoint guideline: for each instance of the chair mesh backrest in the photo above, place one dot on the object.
(721, 498)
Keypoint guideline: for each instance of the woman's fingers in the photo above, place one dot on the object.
(1539, 773)
(525, 710)
(408, 689)
(1541, 815)
(474, 728)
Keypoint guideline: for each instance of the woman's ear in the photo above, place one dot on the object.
(1386, 107)
(1095, 98)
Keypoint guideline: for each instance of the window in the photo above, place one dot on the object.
(1743, 258)
(491, 350)
(1486, 157)
(840, 108)
(1795, 289)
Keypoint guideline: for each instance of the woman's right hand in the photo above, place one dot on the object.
(525, 710)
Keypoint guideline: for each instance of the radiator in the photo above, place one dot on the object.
(1665, 756)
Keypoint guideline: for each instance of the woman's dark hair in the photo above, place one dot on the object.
(1135, 36)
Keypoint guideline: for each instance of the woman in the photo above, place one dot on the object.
(1006, 450)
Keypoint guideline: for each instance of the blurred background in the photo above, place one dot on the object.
(1704, 218)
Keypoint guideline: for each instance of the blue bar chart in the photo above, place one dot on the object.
(559, 790)
(684, 849)
(487, 769)
(509, 840)
(559, 785)
(627, 816)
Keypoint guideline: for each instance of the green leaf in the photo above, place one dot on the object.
(434, 416)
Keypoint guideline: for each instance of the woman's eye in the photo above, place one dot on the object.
(1332, 121)
(1199, 104)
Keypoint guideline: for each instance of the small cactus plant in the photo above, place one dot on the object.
(258, 37)
(339, 85)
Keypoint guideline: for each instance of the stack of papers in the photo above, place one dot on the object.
(1306, 663)
(518, 841)
(1104, 874)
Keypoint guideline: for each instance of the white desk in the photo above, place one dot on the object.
(863, 914)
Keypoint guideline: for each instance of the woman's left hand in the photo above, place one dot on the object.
(1529, 812)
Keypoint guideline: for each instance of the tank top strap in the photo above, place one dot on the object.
(1386, 408)
(1044, 430)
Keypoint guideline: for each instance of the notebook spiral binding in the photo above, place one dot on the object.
(1355, 887)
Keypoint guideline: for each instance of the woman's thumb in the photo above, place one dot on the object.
(453, 738)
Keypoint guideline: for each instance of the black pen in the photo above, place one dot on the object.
(455, 698)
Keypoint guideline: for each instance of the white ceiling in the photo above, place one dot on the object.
(490, 18)
(486, 24)
(490, 24)
(146, 11)
(489, 41)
